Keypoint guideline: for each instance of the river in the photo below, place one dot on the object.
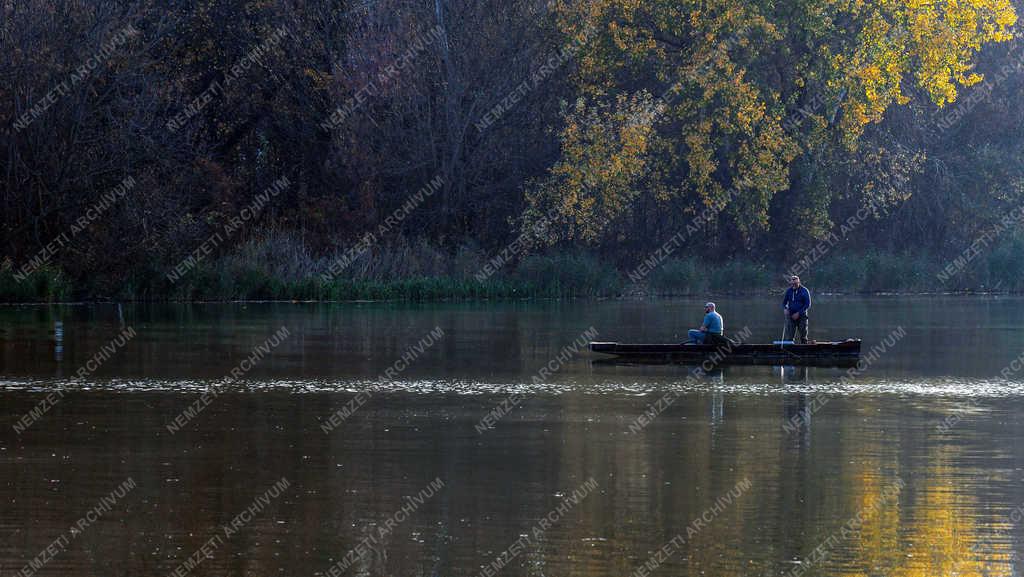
(481, 439)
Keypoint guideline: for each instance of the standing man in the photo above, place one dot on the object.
(711, 331)
(795, 304)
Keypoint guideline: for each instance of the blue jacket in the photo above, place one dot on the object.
(713, 321)
(798, 301)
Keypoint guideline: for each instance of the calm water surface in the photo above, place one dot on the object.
(913, 466)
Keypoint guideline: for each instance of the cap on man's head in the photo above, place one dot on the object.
(709, 305)
(794, 277)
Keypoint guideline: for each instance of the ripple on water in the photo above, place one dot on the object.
(933, 387)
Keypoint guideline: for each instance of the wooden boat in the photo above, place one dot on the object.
(836, 353)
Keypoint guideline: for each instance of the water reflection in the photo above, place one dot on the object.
(841, 455)
(501, 342)
(58, 341)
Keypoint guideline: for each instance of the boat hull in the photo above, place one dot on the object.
(839, 353)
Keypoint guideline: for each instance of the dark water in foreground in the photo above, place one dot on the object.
(912, 467)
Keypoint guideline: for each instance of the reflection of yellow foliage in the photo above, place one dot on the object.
(939, 535)
(944, 538)
(877, 547)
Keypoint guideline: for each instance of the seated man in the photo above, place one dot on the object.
(712, 331)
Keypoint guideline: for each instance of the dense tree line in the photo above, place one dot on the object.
(610, 125)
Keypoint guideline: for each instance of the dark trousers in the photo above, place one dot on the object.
(715, 339)
(793, 327)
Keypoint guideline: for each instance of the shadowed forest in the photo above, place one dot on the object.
(428, 149)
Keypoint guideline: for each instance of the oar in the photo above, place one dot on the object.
(782, 341)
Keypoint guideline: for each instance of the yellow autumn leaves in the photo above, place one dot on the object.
(739, 72)
(929, 44)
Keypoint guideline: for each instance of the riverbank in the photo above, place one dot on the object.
(547, 276)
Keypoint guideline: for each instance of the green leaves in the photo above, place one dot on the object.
(733, 77)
